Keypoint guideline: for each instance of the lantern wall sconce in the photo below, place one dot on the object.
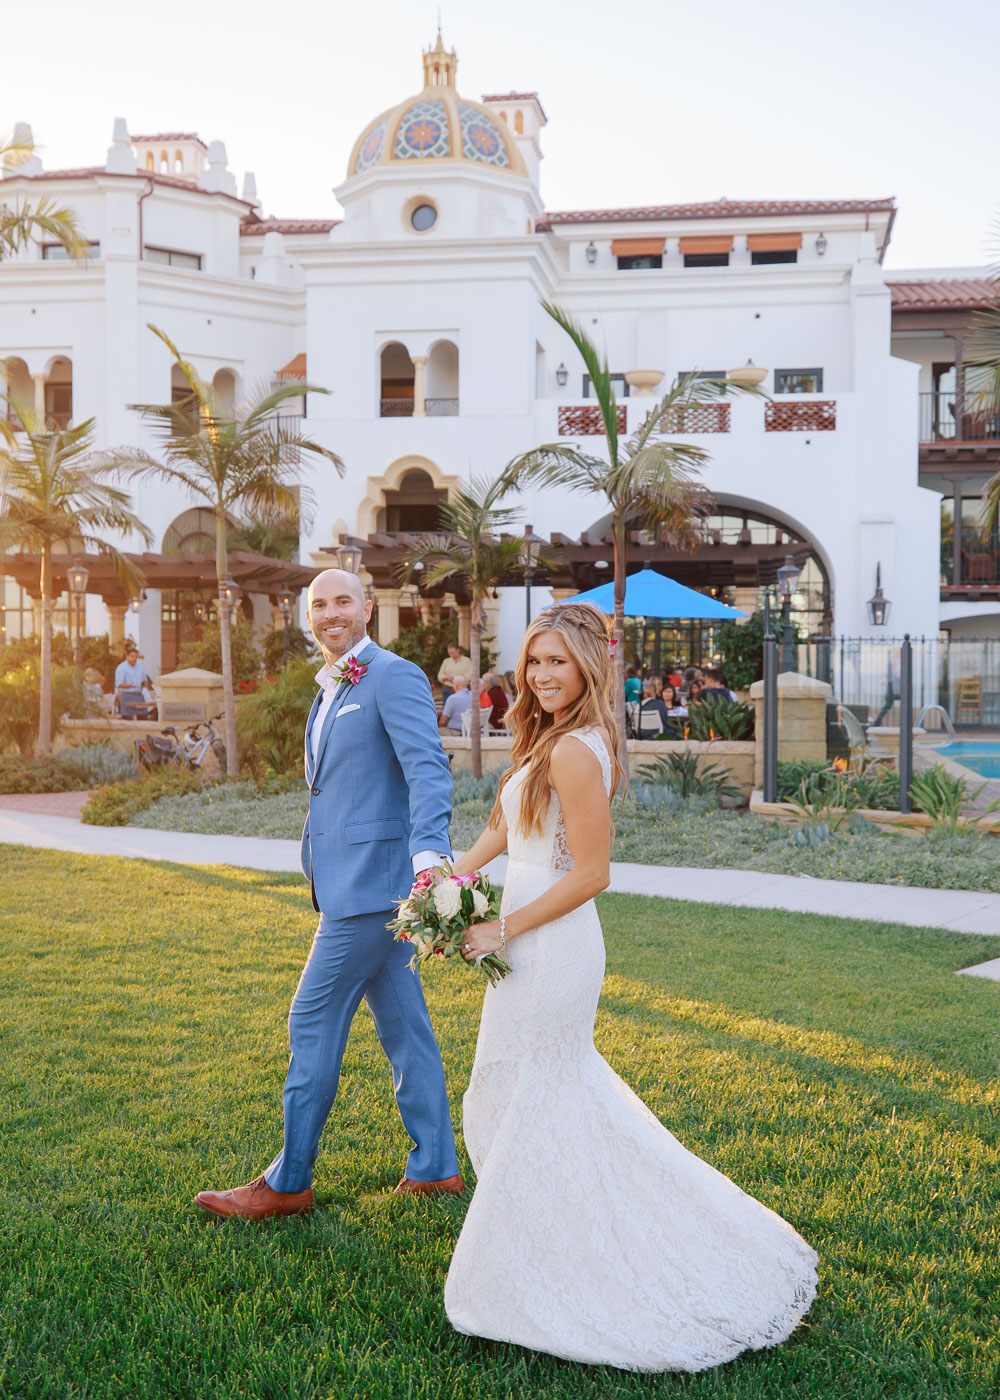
(349, 556)
(878, 603)
(562, 375)
(591, 252)
(821, 244)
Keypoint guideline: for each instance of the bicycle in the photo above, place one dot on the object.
(185, 750)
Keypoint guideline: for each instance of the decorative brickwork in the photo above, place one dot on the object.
(696, 418)
(816, 416)
(585, 421)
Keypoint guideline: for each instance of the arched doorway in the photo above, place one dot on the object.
(414, 506)
(396, 382)
(184, 612)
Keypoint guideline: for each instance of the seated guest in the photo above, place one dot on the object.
(691, 674)
(633, 685)
(695, 689)
(716, 684)
(510, 687)
(130, 674)
(458, 702)
(670, 696)
(492, 697)
(653, 713)
(454, 664)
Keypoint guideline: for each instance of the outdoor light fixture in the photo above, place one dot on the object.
(562, 375)
(286, 599)
(591, 252)
(76, 577)
(820, 244)
(350, 558)
(878, 603)
(530, 549)
(788, 581)
(601, 564)
(200, 611)
(233, 592)
(748, 374)
(136, 601)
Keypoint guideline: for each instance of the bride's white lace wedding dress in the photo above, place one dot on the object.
(593, 1234)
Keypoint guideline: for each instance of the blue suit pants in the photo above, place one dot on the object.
(351, 960)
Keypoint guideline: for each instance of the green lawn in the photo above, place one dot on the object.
(838, 1071)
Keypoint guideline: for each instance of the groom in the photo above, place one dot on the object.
(379, 808)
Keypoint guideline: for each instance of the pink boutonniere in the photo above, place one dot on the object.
(350, 671)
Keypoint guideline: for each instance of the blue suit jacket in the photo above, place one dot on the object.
(380, 790)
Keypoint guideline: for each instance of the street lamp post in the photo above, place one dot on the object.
(233, 594)
(529, 562)
(76, 577)
(788, 581)
(286, 599)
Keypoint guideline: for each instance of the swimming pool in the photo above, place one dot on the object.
(983, 759)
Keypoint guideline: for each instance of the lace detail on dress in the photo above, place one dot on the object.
(593, 1233)
(561, 857)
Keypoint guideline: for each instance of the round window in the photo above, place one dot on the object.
(424, 217)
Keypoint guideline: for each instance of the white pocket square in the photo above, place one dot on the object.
(346, 710)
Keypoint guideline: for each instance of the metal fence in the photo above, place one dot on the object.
(961, 675)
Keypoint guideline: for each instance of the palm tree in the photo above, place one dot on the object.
(54, 490)
(21, 223)
(237, 460)
(645, 479)
(471, 547)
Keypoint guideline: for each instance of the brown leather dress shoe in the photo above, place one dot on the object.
(255, 1201)
(452, 1186)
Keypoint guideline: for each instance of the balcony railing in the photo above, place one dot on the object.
(978, 568)
(396, 408)
(441, 408)
(941, 420)
(287, 423)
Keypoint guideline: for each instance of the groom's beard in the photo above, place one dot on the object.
(334, 650)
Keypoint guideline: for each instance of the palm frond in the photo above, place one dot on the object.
(597, 368)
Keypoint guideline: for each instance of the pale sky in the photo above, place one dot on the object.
(648, 103)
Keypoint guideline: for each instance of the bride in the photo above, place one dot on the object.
(592, 1234)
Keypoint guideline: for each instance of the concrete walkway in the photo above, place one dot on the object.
(961, 911)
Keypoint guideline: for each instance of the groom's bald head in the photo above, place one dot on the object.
(338, 611)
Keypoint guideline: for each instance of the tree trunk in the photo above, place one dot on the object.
(618, 632)
(225, 643)
(45, 671)
(475, 652)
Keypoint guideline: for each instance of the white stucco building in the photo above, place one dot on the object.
(420, 312)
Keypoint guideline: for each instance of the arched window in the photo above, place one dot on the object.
(396, 392)
(178, 163)
(224, 384)
(441, 380)
(503, 117)
(164, 163)
(519, 122)
(150, 161)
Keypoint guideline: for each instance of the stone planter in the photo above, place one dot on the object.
(644, 381)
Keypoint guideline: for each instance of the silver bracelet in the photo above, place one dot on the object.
(503, 935)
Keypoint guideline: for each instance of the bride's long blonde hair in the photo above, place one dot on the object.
(585, 631)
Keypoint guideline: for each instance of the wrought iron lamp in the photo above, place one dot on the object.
(820, 244)
(286, 600)
(136, 601)
(76, 578)
(591, 252)
(530, 550)
(788, 582)
(349, 556)
(562, 375)
(878, 603)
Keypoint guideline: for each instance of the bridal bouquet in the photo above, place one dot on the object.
(437, 912)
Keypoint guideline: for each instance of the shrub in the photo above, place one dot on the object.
(680, 771)
(97, 653)
(466, 788)
(19, 700)
(717, 717)
(427, 646)
(270, 723)
(117, 804)
(89, 765)
(96, 765)
(272, 645)
(742, 648)
(207, 654)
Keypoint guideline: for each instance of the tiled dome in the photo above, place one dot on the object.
(437, 124)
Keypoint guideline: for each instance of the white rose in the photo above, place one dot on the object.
(447, 899)
(480, 903)
(426, 943)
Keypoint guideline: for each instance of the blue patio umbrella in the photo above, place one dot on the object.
(649, 594)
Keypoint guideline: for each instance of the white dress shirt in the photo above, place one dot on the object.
(329, 684)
